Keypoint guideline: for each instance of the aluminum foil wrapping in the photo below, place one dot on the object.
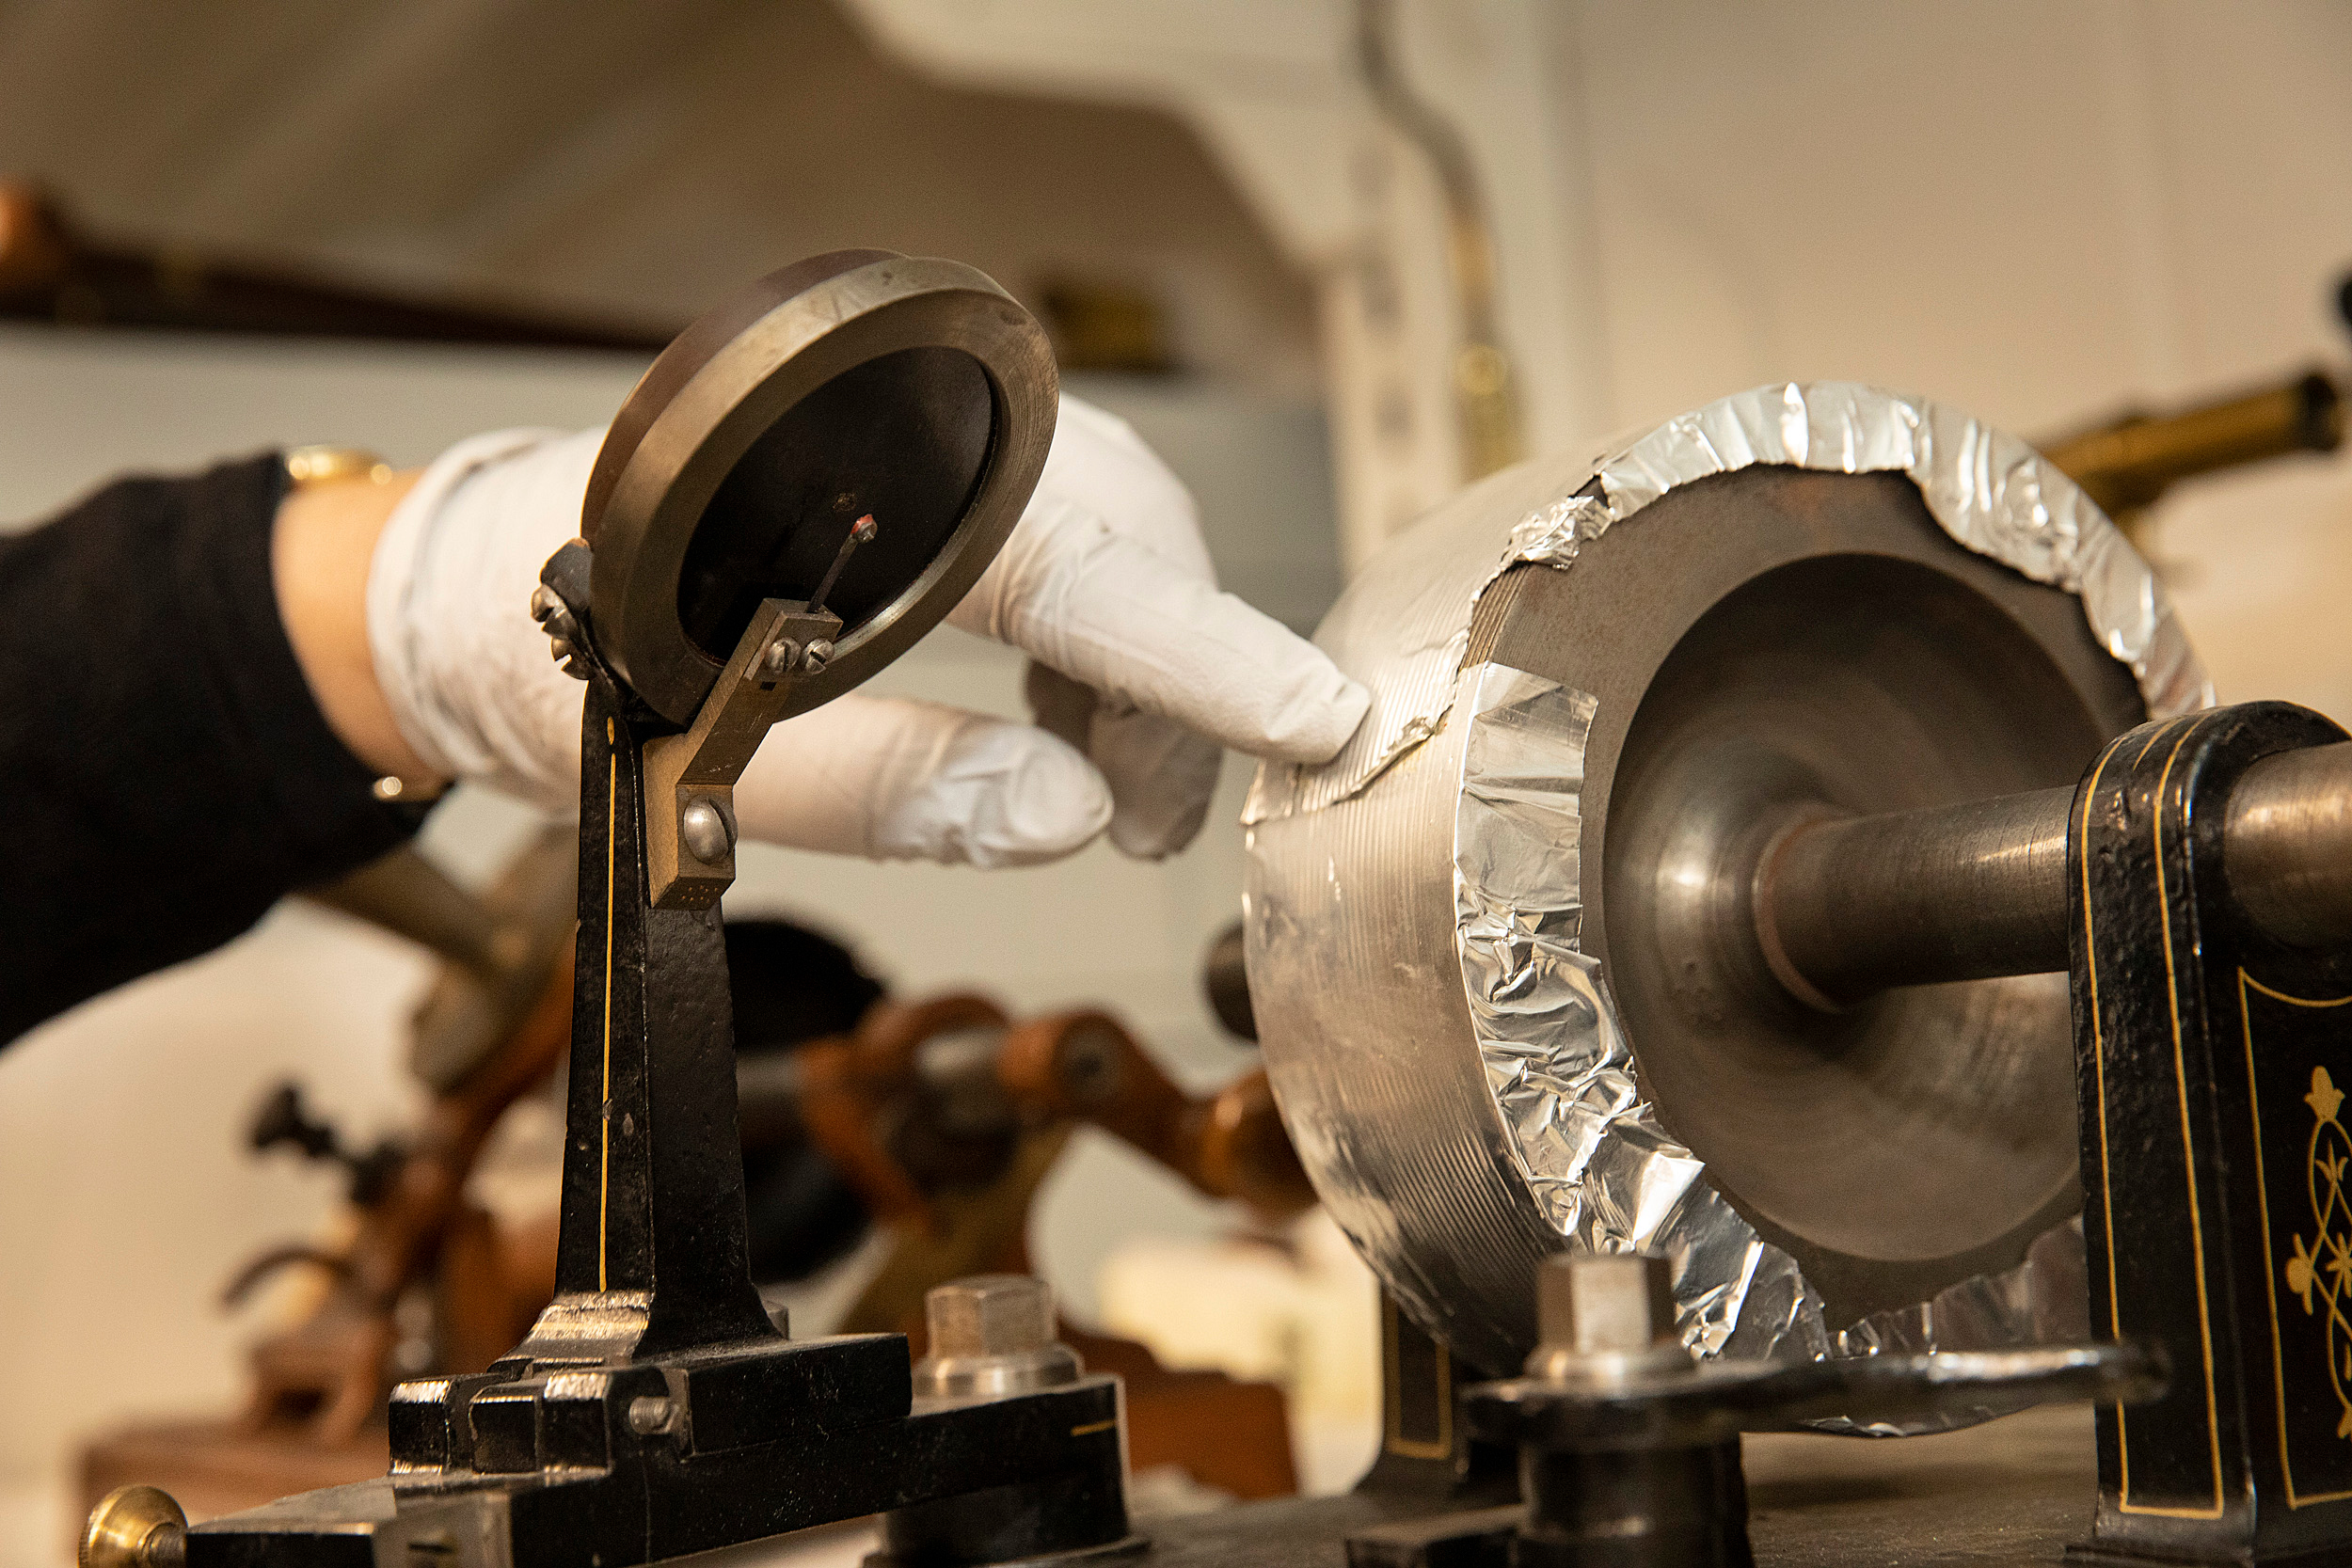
(1989, 490)
(1605, 1175)
(1452, 1177)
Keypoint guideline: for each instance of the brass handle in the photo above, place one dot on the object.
(135, 1526)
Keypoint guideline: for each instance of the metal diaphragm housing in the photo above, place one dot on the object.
(856, 384)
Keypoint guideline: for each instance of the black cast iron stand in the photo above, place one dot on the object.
(2213, 1063)
(655, 1410)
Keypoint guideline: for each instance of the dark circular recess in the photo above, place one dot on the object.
(860, 382)
(1775, 641)
(1924, 1121)
(904, 438)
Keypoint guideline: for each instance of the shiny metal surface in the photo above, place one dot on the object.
(991, 1335)
(2127, 464)
(1845, 907)
(134, 1526)
(1459, 931)
(2289, 856)
(1605, 1316)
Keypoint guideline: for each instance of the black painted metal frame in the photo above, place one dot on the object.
(2212, 1063)
(655, 1410)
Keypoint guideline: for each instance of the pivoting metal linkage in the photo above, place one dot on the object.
(690, 777)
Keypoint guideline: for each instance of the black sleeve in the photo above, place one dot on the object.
(165, 773)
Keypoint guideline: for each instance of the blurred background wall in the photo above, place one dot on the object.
(2038, 211)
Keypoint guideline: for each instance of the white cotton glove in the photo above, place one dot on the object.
(1107, 583)
(1105, 579)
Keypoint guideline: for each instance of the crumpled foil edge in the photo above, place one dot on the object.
(1606, 1175)
(1989, 491)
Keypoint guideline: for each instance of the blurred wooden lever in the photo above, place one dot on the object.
(1082, 1065)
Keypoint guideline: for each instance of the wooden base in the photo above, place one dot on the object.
(215, 1467)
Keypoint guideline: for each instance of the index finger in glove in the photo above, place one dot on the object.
(1110, 612)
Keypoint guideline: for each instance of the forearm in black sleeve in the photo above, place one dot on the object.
(165, 773)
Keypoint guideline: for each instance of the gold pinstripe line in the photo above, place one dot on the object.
(604, 1111)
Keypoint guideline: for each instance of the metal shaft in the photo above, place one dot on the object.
(1847, 907)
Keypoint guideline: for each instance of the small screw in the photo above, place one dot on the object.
(819, 653)
(651, 1414)
(781, 657)
(562, 628)
(1088, 1062)
(704, 829)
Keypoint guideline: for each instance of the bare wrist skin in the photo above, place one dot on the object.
(320, 552)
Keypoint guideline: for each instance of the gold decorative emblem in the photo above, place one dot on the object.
(2321, 1273)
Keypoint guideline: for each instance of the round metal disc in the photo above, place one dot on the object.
(853, 384)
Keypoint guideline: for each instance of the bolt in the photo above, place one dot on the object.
(1605, 1312)
(135, 1526)
(650, 1413)
(820, 654)
(990, 1314)
(704, 829)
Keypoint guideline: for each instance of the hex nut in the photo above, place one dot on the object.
(1605, 1304)
(992, 1335)
(990, 1314)
(1608, 1317)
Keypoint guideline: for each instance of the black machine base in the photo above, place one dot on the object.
(2010, 1493)
(546, 1465)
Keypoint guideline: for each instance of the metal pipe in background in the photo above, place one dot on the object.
(2127, 464)
(1847, 907)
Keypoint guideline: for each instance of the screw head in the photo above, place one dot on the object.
(782, 657)
(1087, 1063)
(818, 655)
(134, 1526)
(703, 827)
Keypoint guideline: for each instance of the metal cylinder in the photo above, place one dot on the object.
(2125, 466)
(1847, 907)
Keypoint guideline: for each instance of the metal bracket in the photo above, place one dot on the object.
(690, 778)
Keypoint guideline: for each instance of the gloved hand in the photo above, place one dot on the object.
(1147, 669)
